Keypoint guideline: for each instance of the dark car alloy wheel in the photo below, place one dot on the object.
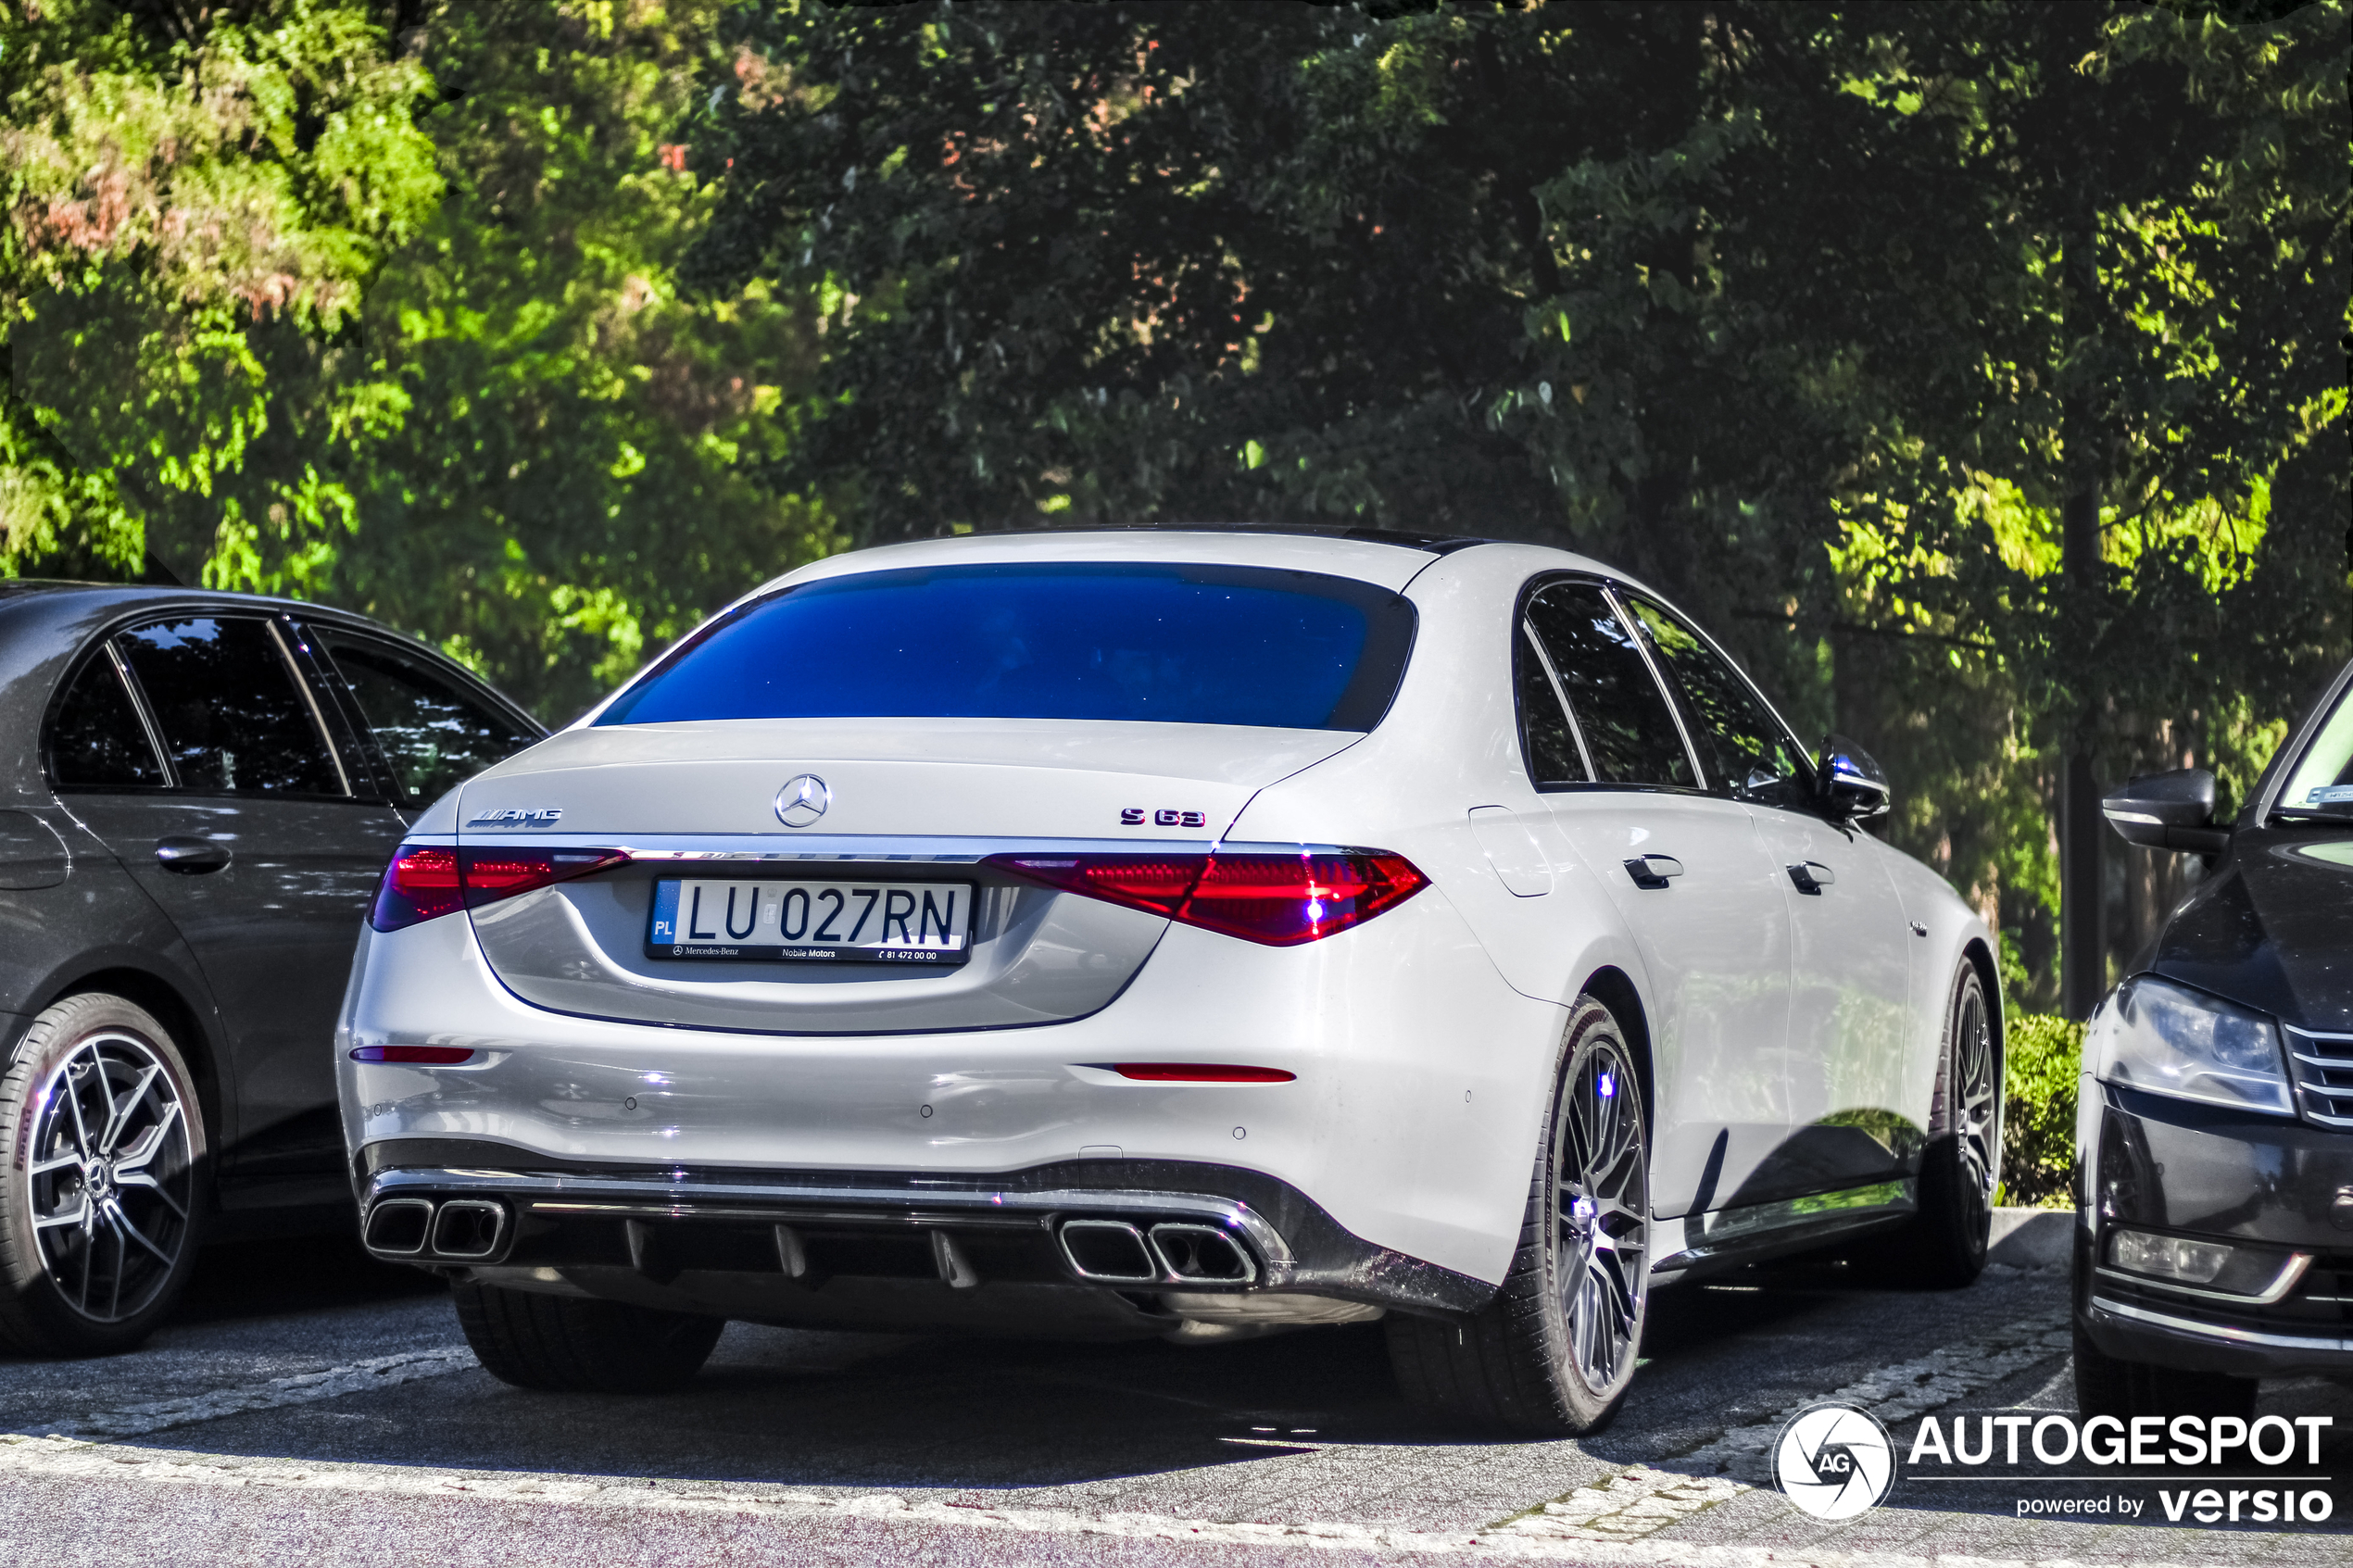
(111, 1176)
(98, 1216)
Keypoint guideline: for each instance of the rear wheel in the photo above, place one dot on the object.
(102, 1148)
(571, 1344)
(1944, 1247)
(1554, 1350)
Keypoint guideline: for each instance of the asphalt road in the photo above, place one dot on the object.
(310, 1406)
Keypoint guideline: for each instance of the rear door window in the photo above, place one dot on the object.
(1186, 645)
(99, 741)
(234, 715)
(433, 733)
(1622, 714)
(1747, 750)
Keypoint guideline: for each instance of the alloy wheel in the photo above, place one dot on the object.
(1602, 1209)
(110, 1174)
(1973, 1096)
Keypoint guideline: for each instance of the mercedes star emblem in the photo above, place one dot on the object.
(802, 800)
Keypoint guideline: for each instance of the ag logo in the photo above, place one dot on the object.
(1834, 1461)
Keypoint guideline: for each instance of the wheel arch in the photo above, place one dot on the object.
(1978, 957)
(179, 1016)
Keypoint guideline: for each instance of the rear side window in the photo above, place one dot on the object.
(434, 733)
(98, 741)
(1621, 710)
(1747, 750)
(1182, 645)
(232, 717)
(1546, 739)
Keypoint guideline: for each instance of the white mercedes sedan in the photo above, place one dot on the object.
(1193, 934)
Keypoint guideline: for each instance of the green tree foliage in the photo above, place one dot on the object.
(494, 420)
(194, 200)
(570, 487)
(1827, 319)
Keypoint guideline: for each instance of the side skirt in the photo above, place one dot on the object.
(1728, 1238)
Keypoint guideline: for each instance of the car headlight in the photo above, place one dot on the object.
(2170, 1040)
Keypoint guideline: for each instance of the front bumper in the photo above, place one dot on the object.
(824, 1245)
(2262, 1183)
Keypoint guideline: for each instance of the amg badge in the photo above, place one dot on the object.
(520, 817)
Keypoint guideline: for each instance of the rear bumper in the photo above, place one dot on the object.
(1412, 1121)
(776, 1240)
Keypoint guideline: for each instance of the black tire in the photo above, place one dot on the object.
(1944, 1247)
(2106, 1384)
(103, 1179)
(1553, 1352)
(571, 1345)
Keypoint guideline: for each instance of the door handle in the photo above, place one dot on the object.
(192, 857)
(1812, 877)
(1652, 871)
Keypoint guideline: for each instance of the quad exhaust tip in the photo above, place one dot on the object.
(459, 1230)
(1114, 1252)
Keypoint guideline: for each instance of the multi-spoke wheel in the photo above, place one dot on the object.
(1601, 1178)
(100, 1195)
(1944, 1247)
(1555, 1350)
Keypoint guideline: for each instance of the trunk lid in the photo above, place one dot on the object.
(916, 803)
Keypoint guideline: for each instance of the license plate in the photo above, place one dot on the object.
(893, 923)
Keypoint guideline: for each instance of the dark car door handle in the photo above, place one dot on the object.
(1812, 877)
(192, 857)
(1652, 871)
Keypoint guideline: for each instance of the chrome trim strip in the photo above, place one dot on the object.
(2224, 1332)
(763, 847)
(664, 1195)
(2290, 1274)
(310, 699)
(1721, 1227)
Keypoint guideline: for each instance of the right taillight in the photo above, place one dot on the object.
(1277, 898)
(427, 881)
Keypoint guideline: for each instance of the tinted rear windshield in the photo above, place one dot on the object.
(1180, 644)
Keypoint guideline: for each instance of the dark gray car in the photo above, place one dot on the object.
(198, 793)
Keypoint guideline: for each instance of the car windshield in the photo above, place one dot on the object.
(2322, 781)
(1185, 644)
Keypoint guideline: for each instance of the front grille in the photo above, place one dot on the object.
(2324, 1066)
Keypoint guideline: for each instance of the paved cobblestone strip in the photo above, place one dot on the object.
(89, 1463)
(1645, 1499)
(355, 1377)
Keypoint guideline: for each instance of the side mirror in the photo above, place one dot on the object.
(1848, 786)
(2171, 810)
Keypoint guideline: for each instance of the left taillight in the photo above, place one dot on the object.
(427, 881)
(1278, 899)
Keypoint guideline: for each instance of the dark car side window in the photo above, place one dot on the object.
(1746, 751)
(233, 715)
(1629, 730)
(1546, 739)
(433, 734)
(99, 741)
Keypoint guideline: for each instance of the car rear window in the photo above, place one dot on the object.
(1183, 644)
